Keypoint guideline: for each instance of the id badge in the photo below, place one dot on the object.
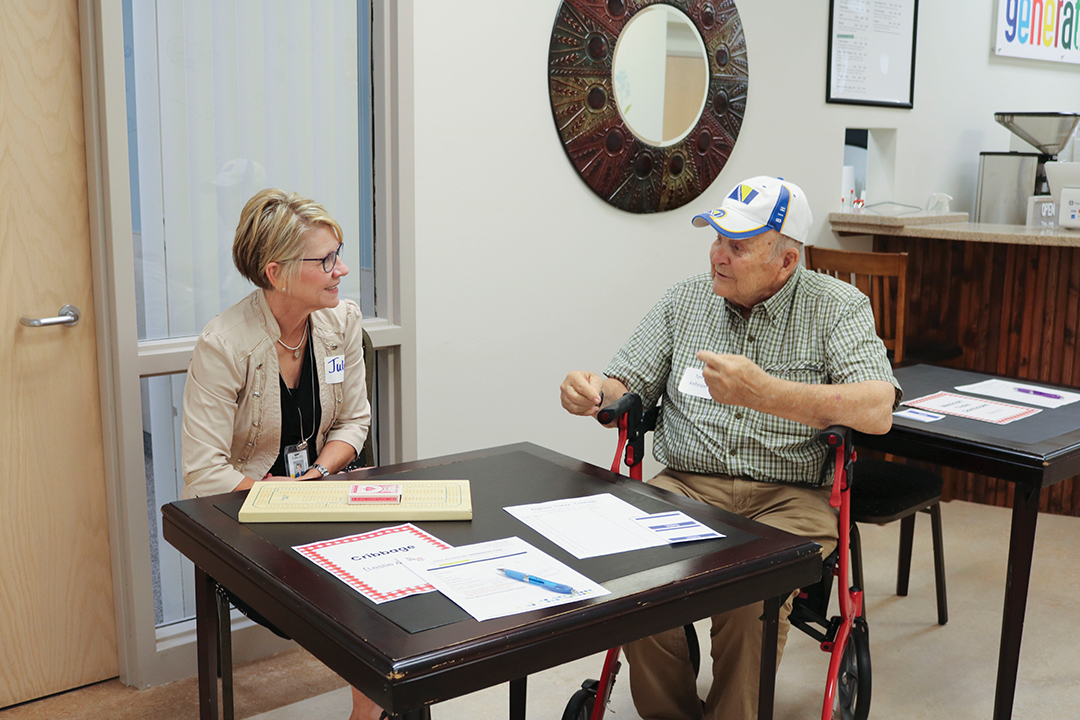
(296, 460)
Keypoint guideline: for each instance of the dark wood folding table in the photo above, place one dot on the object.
(423, 649)
(1032, 453)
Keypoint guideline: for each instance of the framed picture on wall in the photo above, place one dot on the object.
(872, 52)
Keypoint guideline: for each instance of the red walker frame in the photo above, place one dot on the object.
(847, 687)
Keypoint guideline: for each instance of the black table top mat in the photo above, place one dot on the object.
(520, 478)
(921, 380)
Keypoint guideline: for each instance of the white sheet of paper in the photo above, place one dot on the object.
(677, 527)
(368, 562)
(469, 576)
(693, 383)
(588, 526)
(920, 415)
(1022, 392)
(990, 411)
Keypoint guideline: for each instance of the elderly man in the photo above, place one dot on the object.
(784, 352)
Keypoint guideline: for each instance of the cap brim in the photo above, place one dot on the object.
(732, 224)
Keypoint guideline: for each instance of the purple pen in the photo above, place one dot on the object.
(1040, 393)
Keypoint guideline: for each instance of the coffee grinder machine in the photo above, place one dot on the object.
(1008, 179)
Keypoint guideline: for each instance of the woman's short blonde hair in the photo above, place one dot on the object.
(271, 229)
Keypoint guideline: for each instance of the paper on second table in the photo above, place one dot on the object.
(990, 411)
(1022, 392)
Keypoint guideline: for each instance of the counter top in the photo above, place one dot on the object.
(868, 217)
(950, 226)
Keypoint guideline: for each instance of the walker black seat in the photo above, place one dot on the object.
(882, 491)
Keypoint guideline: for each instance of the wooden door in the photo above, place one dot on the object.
(57, 627)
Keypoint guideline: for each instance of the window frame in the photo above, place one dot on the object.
(148, 655)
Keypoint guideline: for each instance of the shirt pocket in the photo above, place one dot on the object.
(811, 372)
(780, 433)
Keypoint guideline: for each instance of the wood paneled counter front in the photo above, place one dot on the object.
(1009, 295)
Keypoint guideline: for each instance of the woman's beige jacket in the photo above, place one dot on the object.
(232, 398)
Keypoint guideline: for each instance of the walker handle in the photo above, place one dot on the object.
(614, 411)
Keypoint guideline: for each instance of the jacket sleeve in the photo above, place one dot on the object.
(354, 420)
(214, 383)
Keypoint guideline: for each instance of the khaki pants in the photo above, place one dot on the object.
(661, 678)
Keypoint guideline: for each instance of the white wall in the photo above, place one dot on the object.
(523, 273)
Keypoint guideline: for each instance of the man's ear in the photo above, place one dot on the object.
(791, 259)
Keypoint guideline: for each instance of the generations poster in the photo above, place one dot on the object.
(1039, 29)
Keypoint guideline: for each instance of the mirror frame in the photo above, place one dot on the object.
(624, 170)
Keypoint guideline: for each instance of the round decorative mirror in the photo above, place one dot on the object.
(660, 75)
(648, 96)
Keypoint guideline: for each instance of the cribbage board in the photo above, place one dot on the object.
(328, 501)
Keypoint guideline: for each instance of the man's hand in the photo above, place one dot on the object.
(581, 393)
(864, 406)
(734, 379)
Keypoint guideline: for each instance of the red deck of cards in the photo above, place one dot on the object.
(380, 493)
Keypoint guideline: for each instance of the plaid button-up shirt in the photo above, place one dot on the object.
(815, 329)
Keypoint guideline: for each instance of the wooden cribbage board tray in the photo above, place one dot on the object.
(328, 501)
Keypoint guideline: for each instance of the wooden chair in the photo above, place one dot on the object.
(883, 491)
(366, 457)
(882, 277)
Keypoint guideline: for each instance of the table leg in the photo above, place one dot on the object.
(517, 699)
(206, 643)
(770, 622)
(1021, 549)
(225, 664)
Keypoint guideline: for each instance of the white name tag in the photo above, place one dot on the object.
(335, 369)
(693, 383)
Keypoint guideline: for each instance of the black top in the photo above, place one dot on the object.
(423, 648)
(296, 403)
(1039, 450)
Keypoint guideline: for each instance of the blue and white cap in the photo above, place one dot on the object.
(760, 204)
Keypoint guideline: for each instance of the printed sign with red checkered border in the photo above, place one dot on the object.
(964, 406)
(368, 562)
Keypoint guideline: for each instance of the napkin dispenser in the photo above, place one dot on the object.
(1064, 180)
(1069, 214)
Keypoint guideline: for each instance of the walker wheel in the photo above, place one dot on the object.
(853, 686)
(581, 703)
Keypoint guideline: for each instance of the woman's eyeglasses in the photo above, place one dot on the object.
(329, 262)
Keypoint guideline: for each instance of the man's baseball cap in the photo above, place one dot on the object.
(760, 204)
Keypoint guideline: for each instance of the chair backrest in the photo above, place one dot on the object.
(882, 277)
(367, 454)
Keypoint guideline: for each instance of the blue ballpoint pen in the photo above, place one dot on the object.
(557, 587)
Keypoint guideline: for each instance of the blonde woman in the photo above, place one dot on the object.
(276, 388)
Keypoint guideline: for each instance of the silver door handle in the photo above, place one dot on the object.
(69, 315)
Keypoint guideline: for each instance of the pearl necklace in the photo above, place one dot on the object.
(295, 350)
